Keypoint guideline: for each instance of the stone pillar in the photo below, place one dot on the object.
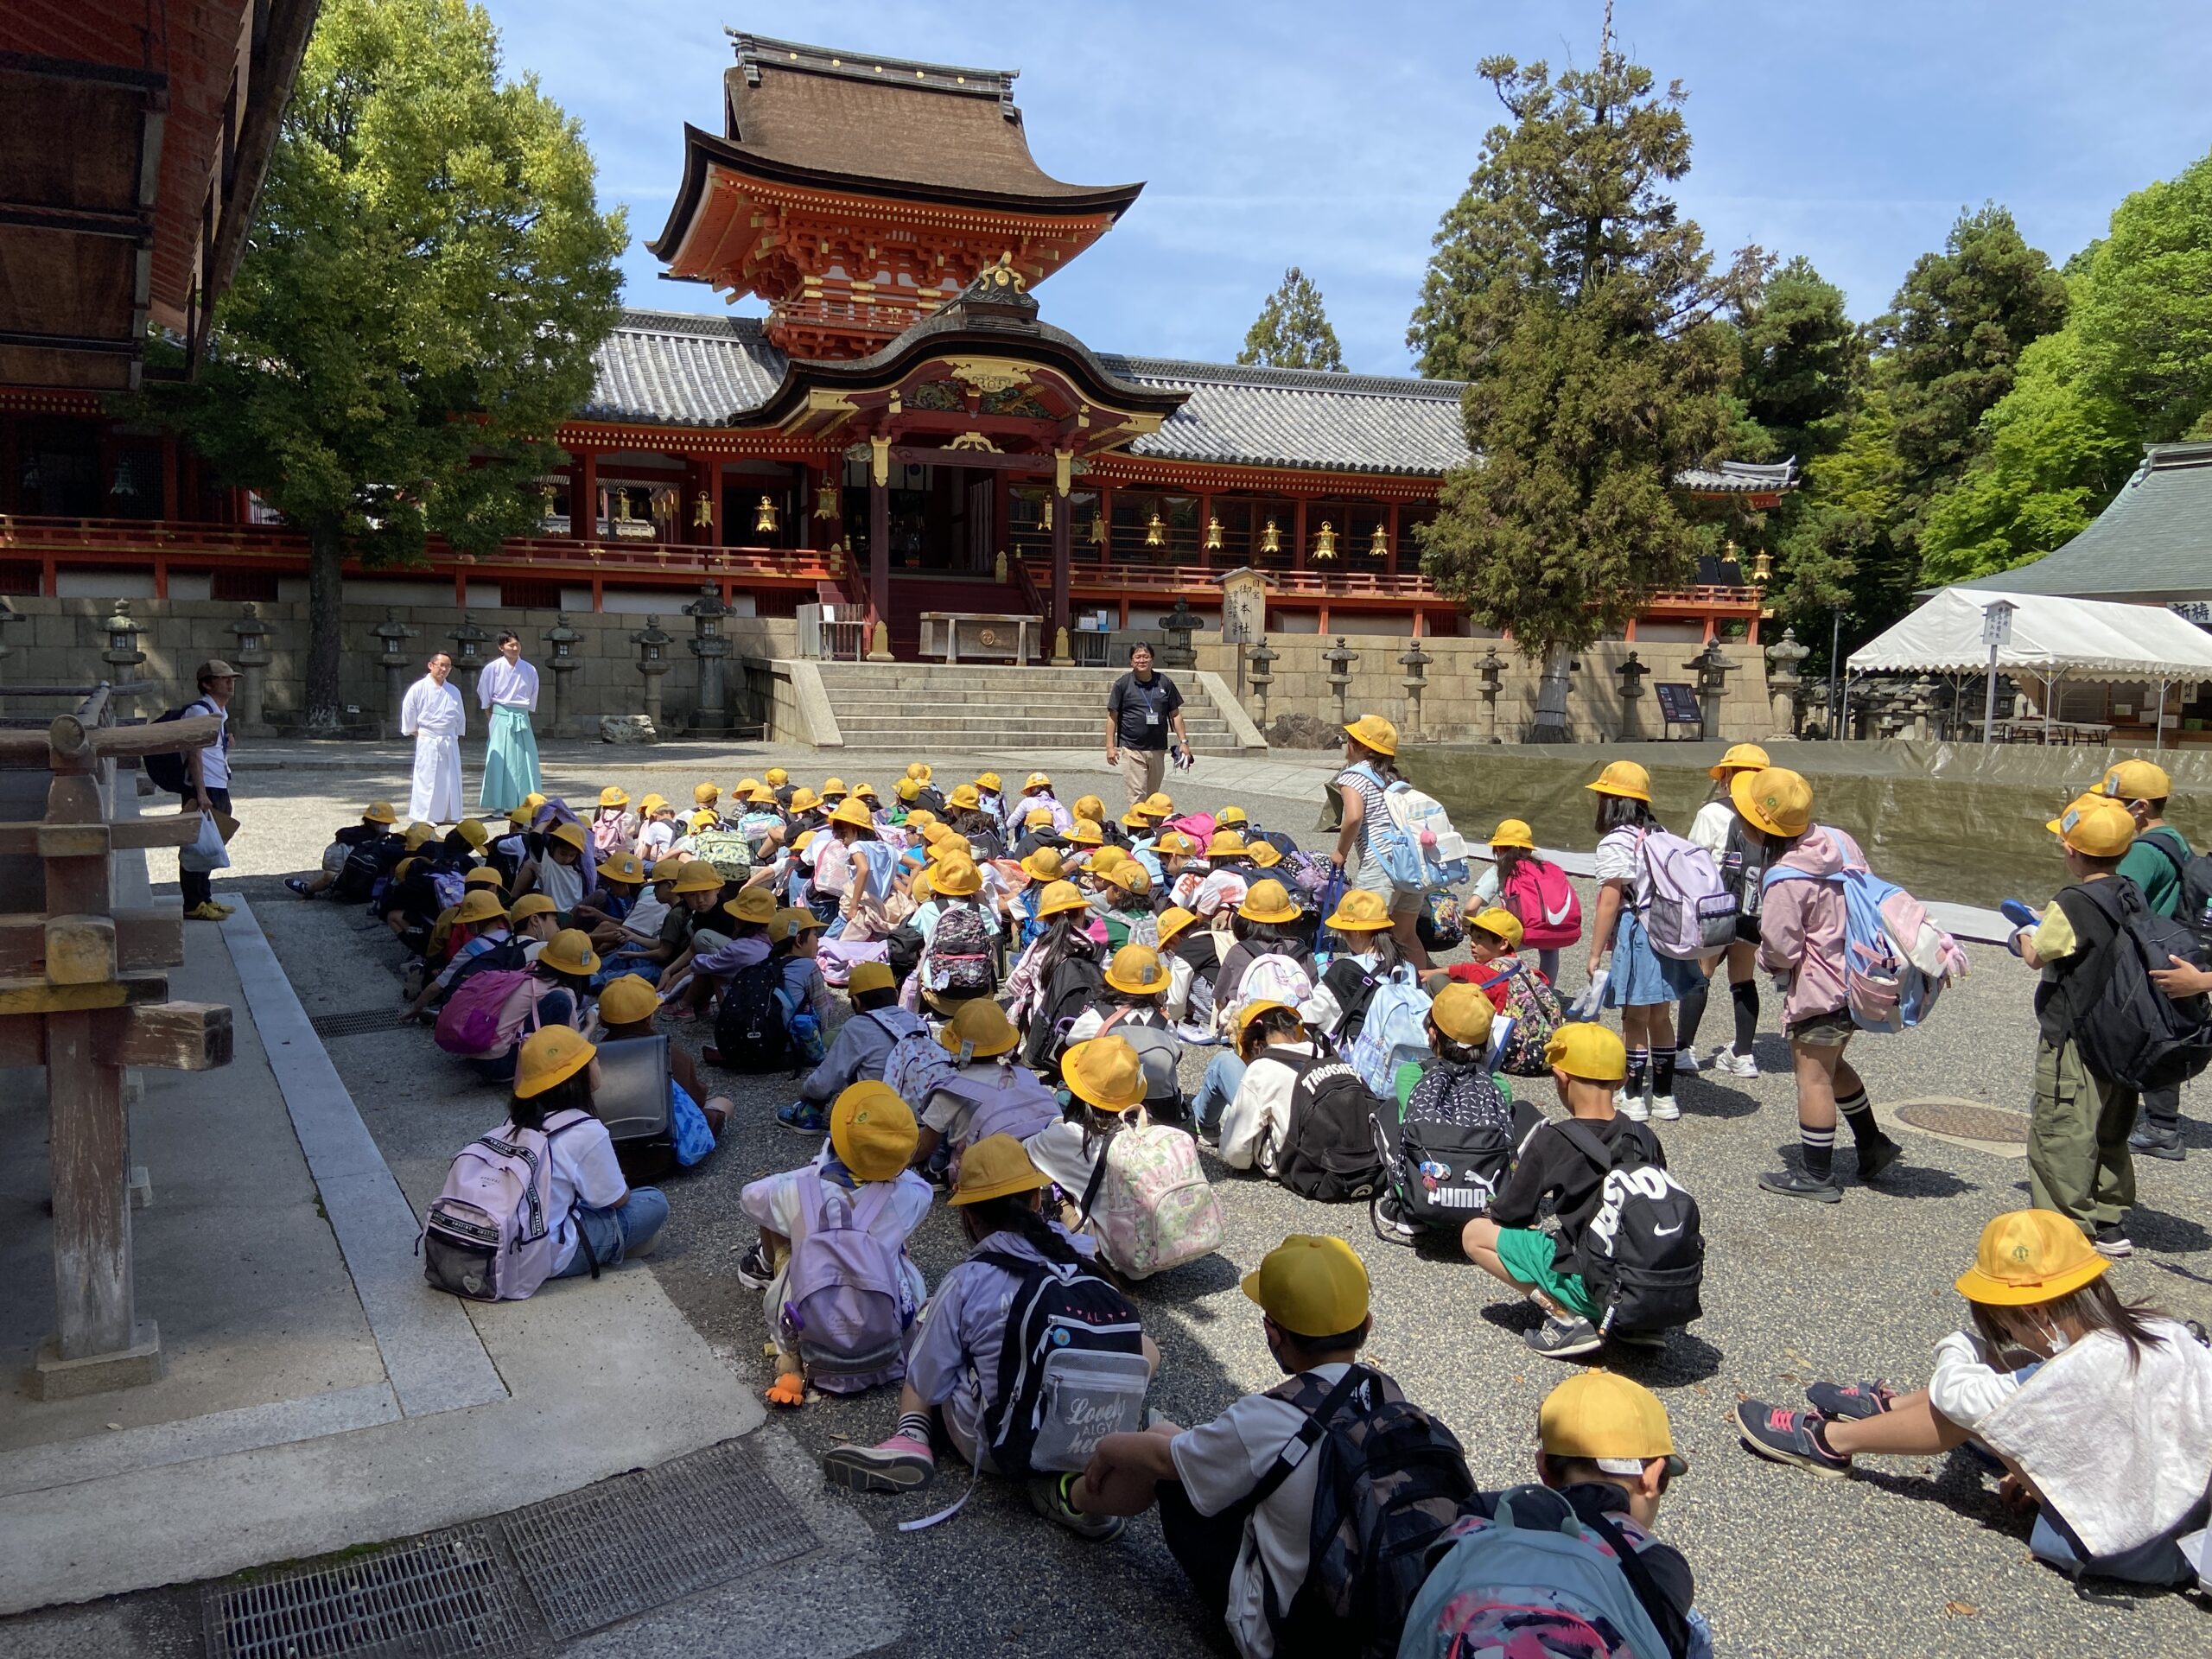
(562, 639)
(652, 642)
(468, 661)
(1784, 658)
(392, 635)
(707, 645)
(252, 657)
(123, 658)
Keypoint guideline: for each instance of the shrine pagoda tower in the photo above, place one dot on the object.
(856, 194)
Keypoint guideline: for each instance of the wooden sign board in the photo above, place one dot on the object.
(1244, 607)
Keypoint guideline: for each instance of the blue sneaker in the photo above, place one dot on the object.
(1845, 1402)
(804, 1117)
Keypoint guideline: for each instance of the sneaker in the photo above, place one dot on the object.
(298, 884)
(1686, 1061)
(1631, 1106)
(899, 1464)
(1048, 1495)
(2113, 1242)
(753, 1270)
(1848, 1402)
(1565, 1338)
(227, 910)
(804, 1117)
(1877, 1155)
(1728, 1063)
(206, 912)
(2159, 1143)
(1389, 1222)
(1781, 1435)
(1663, 1108)
(1795, 1183)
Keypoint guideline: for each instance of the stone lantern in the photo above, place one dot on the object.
(250, 657)
(708, 646)
(1631, 675)
(652, 642)
(564, 640)
(469, 659)
(1713, 672)
(1492, 670)
(1260, 676)
(121, 656)
(1415, 662)
(1341, 661)
(1176, 648)
(1922, 706)
(1783, 684)
(392, 635)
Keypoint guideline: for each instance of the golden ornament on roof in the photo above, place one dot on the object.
(1155, 531)
(1271, 538)
(764, 515)
(1213, 535)
(1325, 542)
(1379, 544)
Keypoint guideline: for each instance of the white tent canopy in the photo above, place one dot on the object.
(2052, 638)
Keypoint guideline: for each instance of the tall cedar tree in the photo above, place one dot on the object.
(1584, 313)
(1292, 331)
(417, 307)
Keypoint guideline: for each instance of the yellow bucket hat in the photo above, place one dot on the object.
(1624, 778)
(550, 1056)
(872, 1131)
(1358, 911)
(1043, 865)
(1231, 817)
(530, 904)
(571, 835)
(805, 799)
(978, 1026)
(1513, 832)
(696, 875)
(1131, 877)
(626, 1000)
(569, 951)
(1105, 1073)
(623, 867)
(484, 876)
(1311, 1286)
(1035, 781)
(1085, 833)
(1059, 897)
(754, 904)
(1137, 970)
(706, 794)
(1373, 732)
(906, 789)
(996, 1166)
(2028, 1257)
(1774, 800)
(853, 810)
(775, 776)
(418, 833)
(1157, 805)
(1269, 901)
(474, 832)
(965, 799)
(1173, 921)
(479, 906)
(991, 781)
(1173, 843)
(1264, 854)
(379, 812)
(1226, 844)
(614, 795)
(1743, 757)
(1090, 806)
(832, 787)
(958, 877)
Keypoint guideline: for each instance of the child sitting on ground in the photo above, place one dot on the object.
(857, 1053)
(563, 873)
(599, 1220)
(1336, 1006)
(625, 1009)
(613, 826)
(1271, 1041)
(871, 1141)
(1453, 1111)
(1125, 905)
(973, 1086)
(370, 846)
(1514, 989)
(2100, 1410)
(533, 922)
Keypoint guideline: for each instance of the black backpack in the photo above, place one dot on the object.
(1074, 984)
(1390, 1479)
(167, 770)
(930, 798)
(1354, 989)
(1442, 1172)
(902, 946)
(751, 1031)
(1329, 1152)
(1072, 1369)
(2128, 1029)
(2195, 911)
(1643, 1254)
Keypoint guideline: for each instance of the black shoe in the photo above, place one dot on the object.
(1565, 1338)
(753, 1270)
(1877, 1155)
(1795, 1183)
(1389, 1222)
(1781, 1435)
(2113, 1242)
(2159, 1143)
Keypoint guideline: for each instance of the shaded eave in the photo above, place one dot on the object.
(704, 151)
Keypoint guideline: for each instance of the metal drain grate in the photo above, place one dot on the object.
(1966, 1120)
(360, 1024)
(443, 1597)
(627, 1545)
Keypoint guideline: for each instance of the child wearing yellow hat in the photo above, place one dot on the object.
(657, 833)
(2099, 1409)
(614, 825)
(598, 1220)
(1371, 767)
(1257, 1079)
(2154, 864)
(1588, 1062)
(1639, 982)
(860, 1050)
(863, 1179)
(1742, 855)
(624, 1013)
(370, 846)
(1458, 1125)
(971, 1084)
(1534, 891)
(1042, 981)
(479, 935)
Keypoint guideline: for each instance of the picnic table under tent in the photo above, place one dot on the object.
(2052, 639)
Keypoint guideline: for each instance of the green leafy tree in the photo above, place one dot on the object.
(2145, 307)
(417, 307)
(1293, 331)
(1585, 313)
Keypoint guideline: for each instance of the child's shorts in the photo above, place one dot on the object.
(1528, 1255)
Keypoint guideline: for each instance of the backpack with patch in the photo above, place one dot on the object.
(753, 1029)
(1440, 1168)
(1071, 1367)
(1076, 981)
(364, 866)
(489, 1235)
(1895, 961)
(727, 850)
(1690, 913)
(962, 954)
(845, 1303)
(486, 1014)
(1148, 1203)
(450, 886)
(1536, 1011)
(1390, 1479)
(1393, 1031)
(1544, 902)
(1643, 1254)
(1535, 1581)
(2128, 1031)
(1329, 1149)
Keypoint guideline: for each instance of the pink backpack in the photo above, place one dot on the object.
(1148, 1203)
(1543, 899)
(1198, 826)
(489, 1233)
(484, 1016)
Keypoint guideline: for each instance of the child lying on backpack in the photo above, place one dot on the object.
(959, 1363)
(856, 1054)
(1606, 1457)
(370, 838)
(2100, 1410)
(871, 1141)
(1588, 1062)
(1238, 1518)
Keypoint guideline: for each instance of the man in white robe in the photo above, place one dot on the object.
(435, 716)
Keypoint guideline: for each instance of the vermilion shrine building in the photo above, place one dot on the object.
(901, 431)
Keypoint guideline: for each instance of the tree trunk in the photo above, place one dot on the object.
(326, 593)
(1551, 699)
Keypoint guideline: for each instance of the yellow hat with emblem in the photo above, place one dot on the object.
(379, 812)
(1624, 778)
(2136, 780)
(550, 1056)
(1359, 911)
(1311, 1286)
(1137, 970)
(872, 1131)
(1774, 800)
(569, 951)
(2028, 1257)
(1269, 901)
(2095, 826)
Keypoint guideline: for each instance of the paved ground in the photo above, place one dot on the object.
(1909, 1557)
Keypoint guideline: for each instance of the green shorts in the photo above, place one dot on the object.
(1527, 1255)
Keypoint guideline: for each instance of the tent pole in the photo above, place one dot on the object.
(2158, 731)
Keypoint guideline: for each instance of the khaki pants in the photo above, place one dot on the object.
(2078, 1160)
(1141, 771)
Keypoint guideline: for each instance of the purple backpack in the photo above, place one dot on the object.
(489, 1235)
(845, 1305)
(1017, 1103)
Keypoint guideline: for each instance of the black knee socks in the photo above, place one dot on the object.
(1690, 1015)
(1859, 1113)
(1662, 1073)
(1745, 995)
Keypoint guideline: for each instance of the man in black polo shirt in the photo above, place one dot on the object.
(1141, 711)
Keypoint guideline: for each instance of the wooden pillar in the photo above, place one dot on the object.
(170, 513)
(161, 577)
(1000, 539)
(583, 497)
(91, 1153)
(1325, 616)
(1298, 536)
(598, 595)
(1628, 633)
(1390, 556)
(879, 540)
(717, 533)
(11, 469)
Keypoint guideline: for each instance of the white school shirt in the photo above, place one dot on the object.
(514, 687)
(655, 839)
(1620, 858)
(584, 1170)
(1254, 1124)
(1219, 1463)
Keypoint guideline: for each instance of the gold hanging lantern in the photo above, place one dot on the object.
(1379, 544)
(702, 512)
(1762, 569)
(621, 507)
(1213, 535)
(1048, 512)
(825, 501)
(1098, 530)
(1155, 531)
(764, 515)
(1271, 538)
(1325, 542)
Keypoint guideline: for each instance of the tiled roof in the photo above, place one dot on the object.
(2154, 541)
(672, 368)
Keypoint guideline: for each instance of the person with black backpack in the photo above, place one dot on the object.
(1457, 1130)
(1320, 1548)
(1573, 1165)
(2159, 863)
(2104, 1032)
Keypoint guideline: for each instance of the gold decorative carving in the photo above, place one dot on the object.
(983, 375)
(973, 441)
(1062, 461)
(880, 460)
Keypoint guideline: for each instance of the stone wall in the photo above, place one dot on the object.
(59, 641)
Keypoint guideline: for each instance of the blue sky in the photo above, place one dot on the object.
(1332, 136)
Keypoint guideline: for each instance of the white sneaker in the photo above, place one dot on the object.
(1631, 1106)
(1738, 1066)
(1686, 1061)
(1663, 1108)
(1723, 1060)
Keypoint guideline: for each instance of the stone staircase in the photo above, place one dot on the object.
(979, 706)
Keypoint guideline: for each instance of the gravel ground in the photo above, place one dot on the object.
(1793, 1292)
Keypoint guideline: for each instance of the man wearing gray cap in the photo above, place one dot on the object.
(207, 785)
